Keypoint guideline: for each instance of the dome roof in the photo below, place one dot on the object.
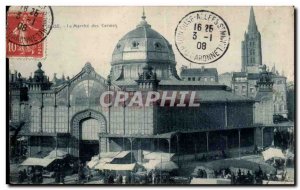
(143, 44)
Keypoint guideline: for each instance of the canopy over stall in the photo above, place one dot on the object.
(273, 153)
(58, 154)
(44, 162)
(159, 161)
(151, 164)
(210, 181)
(116, 167)
(158, 156)
(160, 165)
(95, 161)
(108, 158)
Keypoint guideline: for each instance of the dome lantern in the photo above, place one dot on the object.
(143, 22)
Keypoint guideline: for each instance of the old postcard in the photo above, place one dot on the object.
(193, 95)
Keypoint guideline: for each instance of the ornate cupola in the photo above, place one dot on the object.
(39, 81)
(138, 48)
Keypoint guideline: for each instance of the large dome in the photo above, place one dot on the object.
(143, 44)
(139, 47)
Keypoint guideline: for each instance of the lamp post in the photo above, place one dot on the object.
(160, 166)
(239, 131)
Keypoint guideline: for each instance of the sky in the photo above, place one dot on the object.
(68, 49)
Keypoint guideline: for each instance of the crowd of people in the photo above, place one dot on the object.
(151, 177)
(32, 175)
(201, 173)
(247, 177)
(36, 174)
(59, 173)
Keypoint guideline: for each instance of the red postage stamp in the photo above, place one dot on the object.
(16, 51)
(27, 28)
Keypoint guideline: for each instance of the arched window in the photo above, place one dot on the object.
(90, 129)
(127, 70)
(281, 108)
(87, 92)
(135, 44)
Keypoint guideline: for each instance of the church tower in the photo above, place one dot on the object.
(251, 47)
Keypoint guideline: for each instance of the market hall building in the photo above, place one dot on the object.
(66, 114)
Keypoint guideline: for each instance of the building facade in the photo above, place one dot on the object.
(199, 74)
(66, 114)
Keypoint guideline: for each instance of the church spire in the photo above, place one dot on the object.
(251, 47)
(252, 27)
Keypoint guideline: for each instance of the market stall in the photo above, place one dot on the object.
(43, 162)
(273, 153)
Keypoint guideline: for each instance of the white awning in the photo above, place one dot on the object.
(99, 166)
(116, 167)
(151, 164)
(272, 153)
(210, 181)
(94, 161)
(158, 165)
(105, 157)
(44, 162)
(158, 155)
(21, 139)
(59, 154)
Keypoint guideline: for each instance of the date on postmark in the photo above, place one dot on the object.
(26, 29)
(202, 37)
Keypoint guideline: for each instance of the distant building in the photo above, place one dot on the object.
(291, 101)
(244, 83)
(225, 78)
(199, 74)
(251, 47)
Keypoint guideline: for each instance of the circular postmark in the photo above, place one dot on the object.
(202, 37)
(28, 25)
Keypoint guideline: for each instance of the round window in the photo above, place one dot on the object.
(135, 44)
(157, 45)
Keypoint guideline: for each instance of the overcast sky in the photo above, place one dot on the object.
(68, 49)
